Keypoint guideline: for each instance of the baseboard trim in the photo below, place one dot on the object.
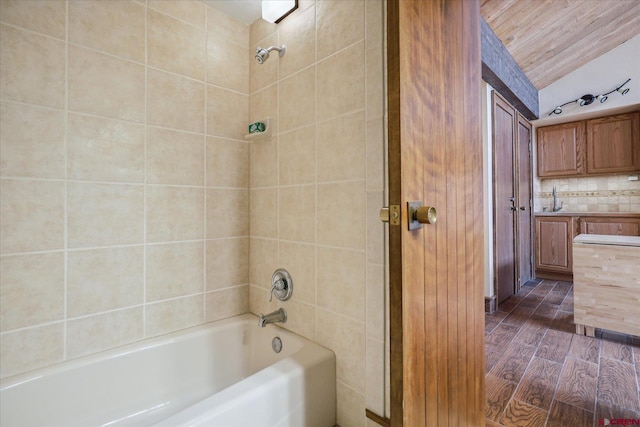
(490, 304)
(383, 421)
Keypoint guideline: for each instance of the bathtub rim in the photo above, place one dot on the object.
(10, 382)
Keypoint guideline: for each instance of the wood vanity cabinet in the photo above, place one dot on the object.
(561, 149)
(602, 146)
(610, 226)
(554, 235)
(613, 144)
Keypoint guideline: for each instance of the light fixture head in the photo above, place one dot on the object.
(586, 100)
(275, 11)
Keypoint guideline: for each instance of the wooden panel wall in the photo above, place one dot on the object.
(435, 155)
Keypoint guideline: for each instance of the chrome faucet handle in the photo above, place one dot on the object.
(277, 286)
(281, 285)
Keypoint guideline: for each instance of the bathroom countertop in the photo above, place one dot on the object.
(602, 214)
(600, 239)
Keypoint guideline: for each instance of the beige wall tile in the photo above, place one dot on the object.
(263, 163)
(190, 11)
(31, 141)
(263, 104)
(263, 213)
(104, 279)
(104, 214)
(297, 106)
(298, 33)
(375, 154)
(174, 157)
(341, 83)
(341, 282)
(105, 86)
(31, 215)
(227, 213)
(263, 254)
(375, 81)
(32, 68)
(175, 46)
(301, 318)
(261, 29)
(227, 113)
(174, 270)
(175, 102)
(375, 376)
(350, 409)
(222, 26)
(375, 228)
(174, 213)
(297, 156)
(346, 338)
(297, 213)
(342, 230)
(169, 316)
(375, 302)
(227, 64)
(227, 163)
(31, 290)
(341, 148)
(29, 349)
(104, 149)
(227, 263)
(227, 303)
(115, 28)
(374, 22)
(103, 331)
(42, 16)
(299, 260)
(340, 24)
(259, 301)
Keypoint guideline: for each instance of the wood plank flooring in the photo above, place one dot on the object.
(541, 373)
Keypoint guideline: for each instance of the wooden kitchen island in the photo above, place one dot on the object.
(606, 283)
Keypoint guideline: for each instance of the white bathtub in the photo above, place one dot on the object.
(220, 374)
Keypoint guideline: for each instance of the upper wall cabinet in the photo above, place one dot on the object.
(613, 144)
(602, 146)
(561, 150)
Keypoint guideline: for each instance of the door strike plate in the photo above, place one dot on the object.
(390, 214)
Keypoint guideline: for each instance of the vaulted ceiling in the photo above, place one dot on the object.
(551, 38)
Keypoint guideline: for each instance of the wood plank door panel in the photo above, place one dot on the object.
(504, 197)
(561, 150)
(435, 156)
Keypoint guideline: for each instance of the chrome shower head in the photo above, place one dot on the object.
(263, 54)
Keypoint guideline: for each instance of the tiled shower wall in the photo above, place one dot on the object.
(316, 187)
(124, 174)
(593, 194)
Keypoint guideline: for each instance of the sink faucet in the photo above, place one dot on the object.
(277, 316)
(556, 208)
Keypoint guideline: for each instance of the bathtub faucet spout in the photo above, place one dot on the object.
(277, 316)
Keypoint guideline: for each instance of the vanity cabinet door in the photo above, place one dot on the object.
(554, 237)
(613, 144)
(561, 150)
(610, 226)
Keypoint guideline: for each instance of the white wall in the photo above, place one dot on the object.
(599, 76)
(487, 182)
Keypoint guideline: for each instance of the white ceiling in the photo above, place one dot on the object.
(245, 11)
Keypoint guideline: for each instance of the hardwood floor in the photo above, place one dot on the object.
(541, 373)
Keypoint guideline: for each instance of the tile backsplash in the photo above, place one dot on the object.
(590, 194)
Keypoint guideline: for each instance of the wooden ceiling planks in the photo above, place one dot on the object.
(551, 38)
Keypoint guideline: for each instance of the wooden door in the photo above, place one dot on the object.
(554, 241)
(611, 226)
(504, 197)
(435, 156)
(524, 202)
